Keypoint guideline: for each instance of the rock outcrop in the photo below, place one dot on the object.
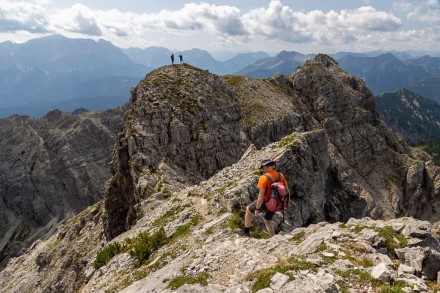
(50, 168)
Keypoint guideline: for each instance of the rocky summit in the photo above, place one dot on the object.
(185, 165)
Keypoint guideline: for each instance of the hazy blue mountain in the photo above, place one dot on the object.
(155, 57)
(201, 59)
(429, 87)
(429, 64)
(285, 63)
(397, 54)
(152, 57)
(415, 117)
(384, 73)
(96, 103)
(243, 60)
(55, 69)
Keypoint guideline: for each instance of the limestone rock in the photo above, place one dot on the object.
(51, 168)
(381, 272)
(413, 257)
(278, 281)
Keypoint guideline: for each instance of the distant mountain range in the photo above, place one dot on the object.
(382, 73)
(56, 72)
(283, 63)
(158, 56)
(56, 69)
(416, 118)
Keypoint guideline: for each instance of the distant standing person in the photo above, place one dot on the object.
(172, 58)
(181, 58)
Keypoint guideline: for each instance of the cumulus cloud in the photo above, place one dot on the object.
(427, 11)
(224, 20)
(78, 19)
(283, 22)
(222, 25)
(22, 16)
(87, 26)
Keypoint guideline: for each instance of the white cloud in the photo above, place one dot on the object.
(22, 16)
(211, 26)
(279, 21)
(78, 19)
(427, 11)
(227, 23)
(224, 20)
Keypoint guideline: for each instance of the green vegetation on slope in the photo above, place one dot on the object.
(433, 149)
(141, 247)
(414, 116)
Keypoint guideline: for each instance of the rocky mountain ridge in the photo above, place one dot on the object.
(51, 167)
(186, 162)
(413, 116)
(355, 166)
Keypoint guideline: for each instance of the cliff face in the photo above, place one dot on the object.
(50, 168)
(346, 162)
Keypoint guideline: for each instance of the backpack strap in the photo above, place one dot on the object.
(270, 178)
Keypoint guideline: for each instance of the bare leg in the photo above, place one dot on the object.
(269, 227)
(248, 218)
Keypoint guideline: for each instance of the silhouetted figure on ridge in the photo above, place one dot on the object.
(181, 58)
(172, 58)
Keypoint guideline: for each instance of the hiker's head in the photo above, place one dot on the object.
(267, 164)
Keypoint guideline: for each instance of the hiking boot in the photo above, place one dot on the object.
(245, 232)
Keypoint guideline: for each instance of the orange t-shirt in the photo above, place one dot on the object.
(264, 182)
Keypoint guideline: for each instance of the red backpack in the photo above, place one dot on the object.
(278, 199)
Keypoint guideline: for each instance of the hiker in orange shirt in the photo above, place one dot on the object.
(259, 205)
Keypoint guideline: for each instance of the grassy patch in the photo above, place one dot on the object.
(342, 286)
(141, 247)
(299, 237)
(53, 245)
(393, 239)
(144, 245)
(107, 253)
(361, 279)
(365, 262)
(210, 231)
(185, 229)
(227, 186)
(289, 141)
(236, 221)
(179, 281)
(262, 277)
(322, 247)
(258, 234)
(233, 80)
(167, 217)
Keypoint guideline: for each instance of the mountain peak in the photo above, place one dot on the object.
(325, 60)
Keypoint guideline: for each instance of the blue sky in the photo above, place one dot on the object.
(306, 26)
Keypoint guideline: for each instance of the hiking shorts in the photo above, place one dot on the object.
(267, 214)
